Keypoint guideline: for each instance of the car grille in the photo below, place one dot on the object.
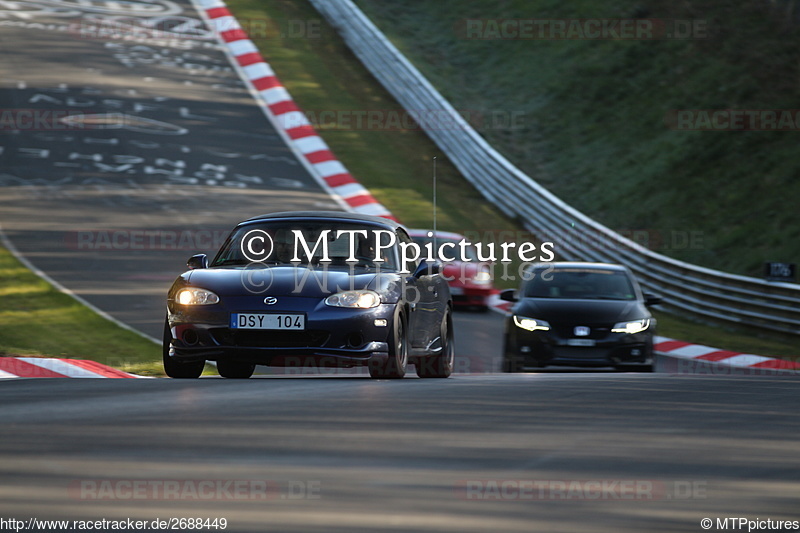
(597, 332)
(271, 339)
(582, 354)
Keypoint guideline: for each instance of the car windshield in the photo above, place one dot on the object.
(580, 284)
(449, 253)
(281, 242)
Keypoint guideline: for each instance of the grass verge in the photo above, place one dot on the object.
(40, 321)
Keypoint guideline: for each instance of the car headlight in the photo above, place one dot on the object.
(531, 324)
(196, 297)
(483, 277)
(634, 326)
(354, 299)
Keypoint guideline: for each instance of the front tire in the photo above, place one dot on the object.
(235, 369)
(178, 369)
(440, 365)
(395, 366)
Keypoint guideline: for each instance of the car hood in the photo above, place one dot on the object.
(586, 311)
(287, 281)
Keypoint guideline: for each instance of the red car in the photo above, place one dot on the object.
(470, 282)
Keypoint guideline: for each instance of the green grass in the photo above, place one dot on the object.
(38, 320)
(591, 115)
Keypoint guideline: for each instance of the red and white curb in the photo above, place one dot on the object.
(499, 305)
(43, 367)
(700, 353)
(284, 112)
(695, 352)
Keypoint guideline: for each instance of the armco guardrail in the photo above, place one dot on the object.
(685, 287)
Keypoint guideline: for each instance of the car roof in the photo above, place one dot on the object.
(326, 215)
(442, 234)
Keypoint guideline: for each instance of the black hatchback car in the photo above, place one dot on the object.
(578, 314)
(320, 289)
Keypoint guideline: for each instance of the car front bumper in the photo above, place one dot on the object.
(336, 337)
(536, 349)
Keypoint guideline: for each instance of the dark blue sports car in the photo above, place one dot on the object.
(322, 289)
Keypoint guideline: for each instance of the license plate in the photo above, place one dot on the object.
(267, 321)
(456, 291)
(580, 342)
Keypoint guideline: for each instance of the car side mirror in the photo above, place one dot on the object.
(509, 295)
(428, 268)
(197, 261)
(651, 299)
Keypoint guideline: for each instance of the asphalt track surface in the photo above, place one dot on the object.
(344, 453)
(352, 454)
